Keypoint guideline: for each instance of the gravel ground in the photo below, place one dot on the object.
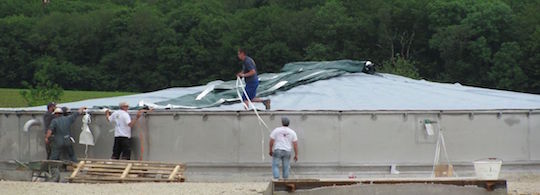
(13, 187)
(523, 183)
(518, 184)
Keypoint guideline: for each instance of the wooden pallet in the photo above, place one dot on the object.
(120, 171)
(292, 185)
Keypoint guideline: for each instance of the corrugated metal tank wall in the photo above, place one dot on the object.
(325, 137)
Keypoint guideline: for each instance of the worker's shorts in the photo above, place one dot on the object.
(251, 90)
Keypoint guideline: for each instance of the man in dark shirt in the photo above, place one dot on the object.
(249, 73)
(47, 118)
(61, 129)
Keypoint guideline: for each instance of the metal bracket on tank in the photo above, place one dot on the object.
(471, 115)
(405, 116)
(373, 117)
(303, 117)
(272, 116)
(205, 117)
(339, 115)
(427, 121)
(238, 115)
(499, 115)
(176, 116)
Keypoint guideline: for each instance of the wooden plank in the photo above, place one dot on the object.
(133, 167)
(291, 185)
(171, 176)
(126, 171)
(113, 174)
(79, 166)
(132, 171)
(120, 179)
(98, 176)
(132, 161)
(110, 182)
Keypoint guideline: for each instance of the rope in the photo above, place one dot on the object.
(437, 154)
(446, 153)
(240, 84)
(239, 81)
(86, 151)
(440, 144)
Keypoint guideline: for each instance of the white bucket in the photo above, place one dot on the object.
(487, 168)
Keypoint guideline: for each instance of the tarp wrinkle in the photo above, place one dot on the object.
(291, 75)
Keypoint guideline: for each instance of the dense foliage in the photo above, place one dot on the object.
(144, 45)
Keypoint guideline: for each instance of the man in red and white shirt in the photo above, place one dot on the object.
(282, 141)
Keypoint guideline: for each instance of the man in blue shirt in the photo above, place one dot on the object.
(249, 73)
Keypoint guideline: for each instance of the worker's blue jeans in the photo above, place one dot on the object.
(284, 157)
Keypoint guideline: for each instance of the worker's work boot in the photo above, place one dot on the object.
(267, 104)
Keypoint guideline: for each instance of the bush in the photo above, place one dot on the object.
(401, 66)
(42, 93)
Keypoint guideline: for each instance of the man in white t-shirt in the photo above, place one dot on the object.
(282, 141)
(122, 131)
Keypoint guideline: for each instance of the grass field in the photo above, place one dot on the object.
(11, 98)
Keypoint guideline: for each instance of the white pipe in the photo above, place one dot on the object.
(31, 123)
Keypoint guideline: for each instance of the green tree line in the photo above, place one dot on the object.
(145, 45)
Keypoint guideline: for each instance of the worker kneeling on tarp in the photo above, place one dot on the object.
(60, 132)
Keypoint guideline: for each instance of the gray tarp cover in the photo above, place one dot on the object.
(291, 75)
(349, 91)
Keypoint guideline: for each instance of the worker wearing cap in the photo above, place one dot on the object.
(282, 141)
(122, 131)
(59, 134)
(47, 118)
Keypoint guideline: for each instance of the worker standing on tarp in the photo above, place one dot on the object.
(60, 131)
(249, 73)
